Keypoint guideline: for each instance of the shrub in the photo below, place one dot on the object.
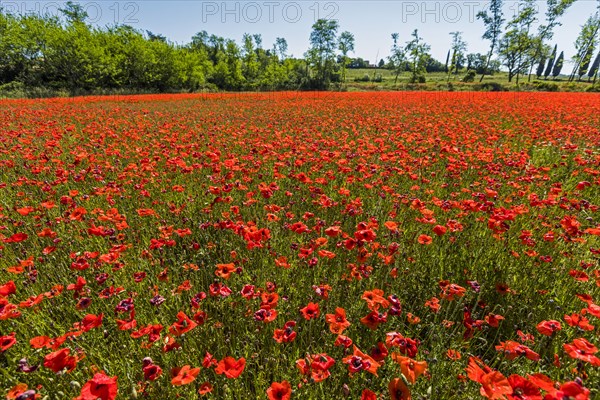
(490, 87)
(470, 77)
(364, 78)
(546, 86)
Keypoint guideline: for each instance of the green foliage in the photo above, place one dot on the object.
(518, 46)
(459, 47)
(558, 65)
(418, 56)
(586, 45)
(321, 55)
(546, 86)
(74, 57)
(493, 22)
(593, 72)
(470, 77)
(66, 54)
(555, 10)
(490, 87)
(540, 68)
(551, 61)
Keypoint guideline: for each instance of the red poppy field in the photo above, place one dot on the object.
(303, 246)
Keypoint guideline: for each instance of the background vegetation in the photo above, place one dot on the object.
(43, 55)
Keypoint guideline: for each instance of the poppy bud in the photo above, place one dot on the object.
(346, 390)
(147, 361)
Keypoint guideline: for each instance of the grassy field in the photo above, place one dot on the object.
(385, 79)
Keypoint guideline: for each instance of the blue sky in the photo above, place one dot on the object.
(371, 22)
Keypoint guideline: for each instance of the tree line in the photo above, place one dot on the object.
(68, 53)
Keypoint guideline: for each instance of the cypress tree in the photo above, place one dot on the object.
(558, 66)
(550, 63)
(540, 68)
(585, 63)
(593, 72)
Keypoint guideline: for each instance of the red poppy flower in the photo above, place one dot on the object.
(311, 311)
(494, 385)
(548, 328)
(7, 341)
(205, 388)
(224, 270)
(514, 349)
(152, 372)
(398, 390)
(286, 334)
(373, 319)
(184, 375)
(579, 321)
(7, 289)
(279, 391)
(359, 361)
(90, 321)
(410, 368)
(231, 367)
(406, 346)
(16, 238)
(375, 299)
(183, 324)
(99, 387)
(523, 389)
(342, 340)
(337, 322)
(425, 239)
(60, 360)
(583, 350)
(368, 395)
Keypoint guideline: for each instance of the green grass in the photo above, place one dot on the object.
(454, 82)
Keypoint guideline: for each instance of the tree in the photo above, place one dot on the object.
(459, 47)
(321, 55)
(517, 44)
(381, 63)
(418, 54)
(397, 58)
(156, 37)
(556, 9)
(540, 68)
(558, 65)
(586, 44)
(345, 45)
(593, 72)
(479, 63)
(447, 69)
(583, 67)
(493, 23)
(250, 65)
(551, 61)
(358, 63)
(200, 41)
(280, 48)
(258, 40)
(74, 13)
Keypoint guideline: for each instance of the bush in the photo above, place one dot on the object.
(546, 86)
(365, 78)
(13, 89)
(490, 87)
(418, 79)
(470, 77)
